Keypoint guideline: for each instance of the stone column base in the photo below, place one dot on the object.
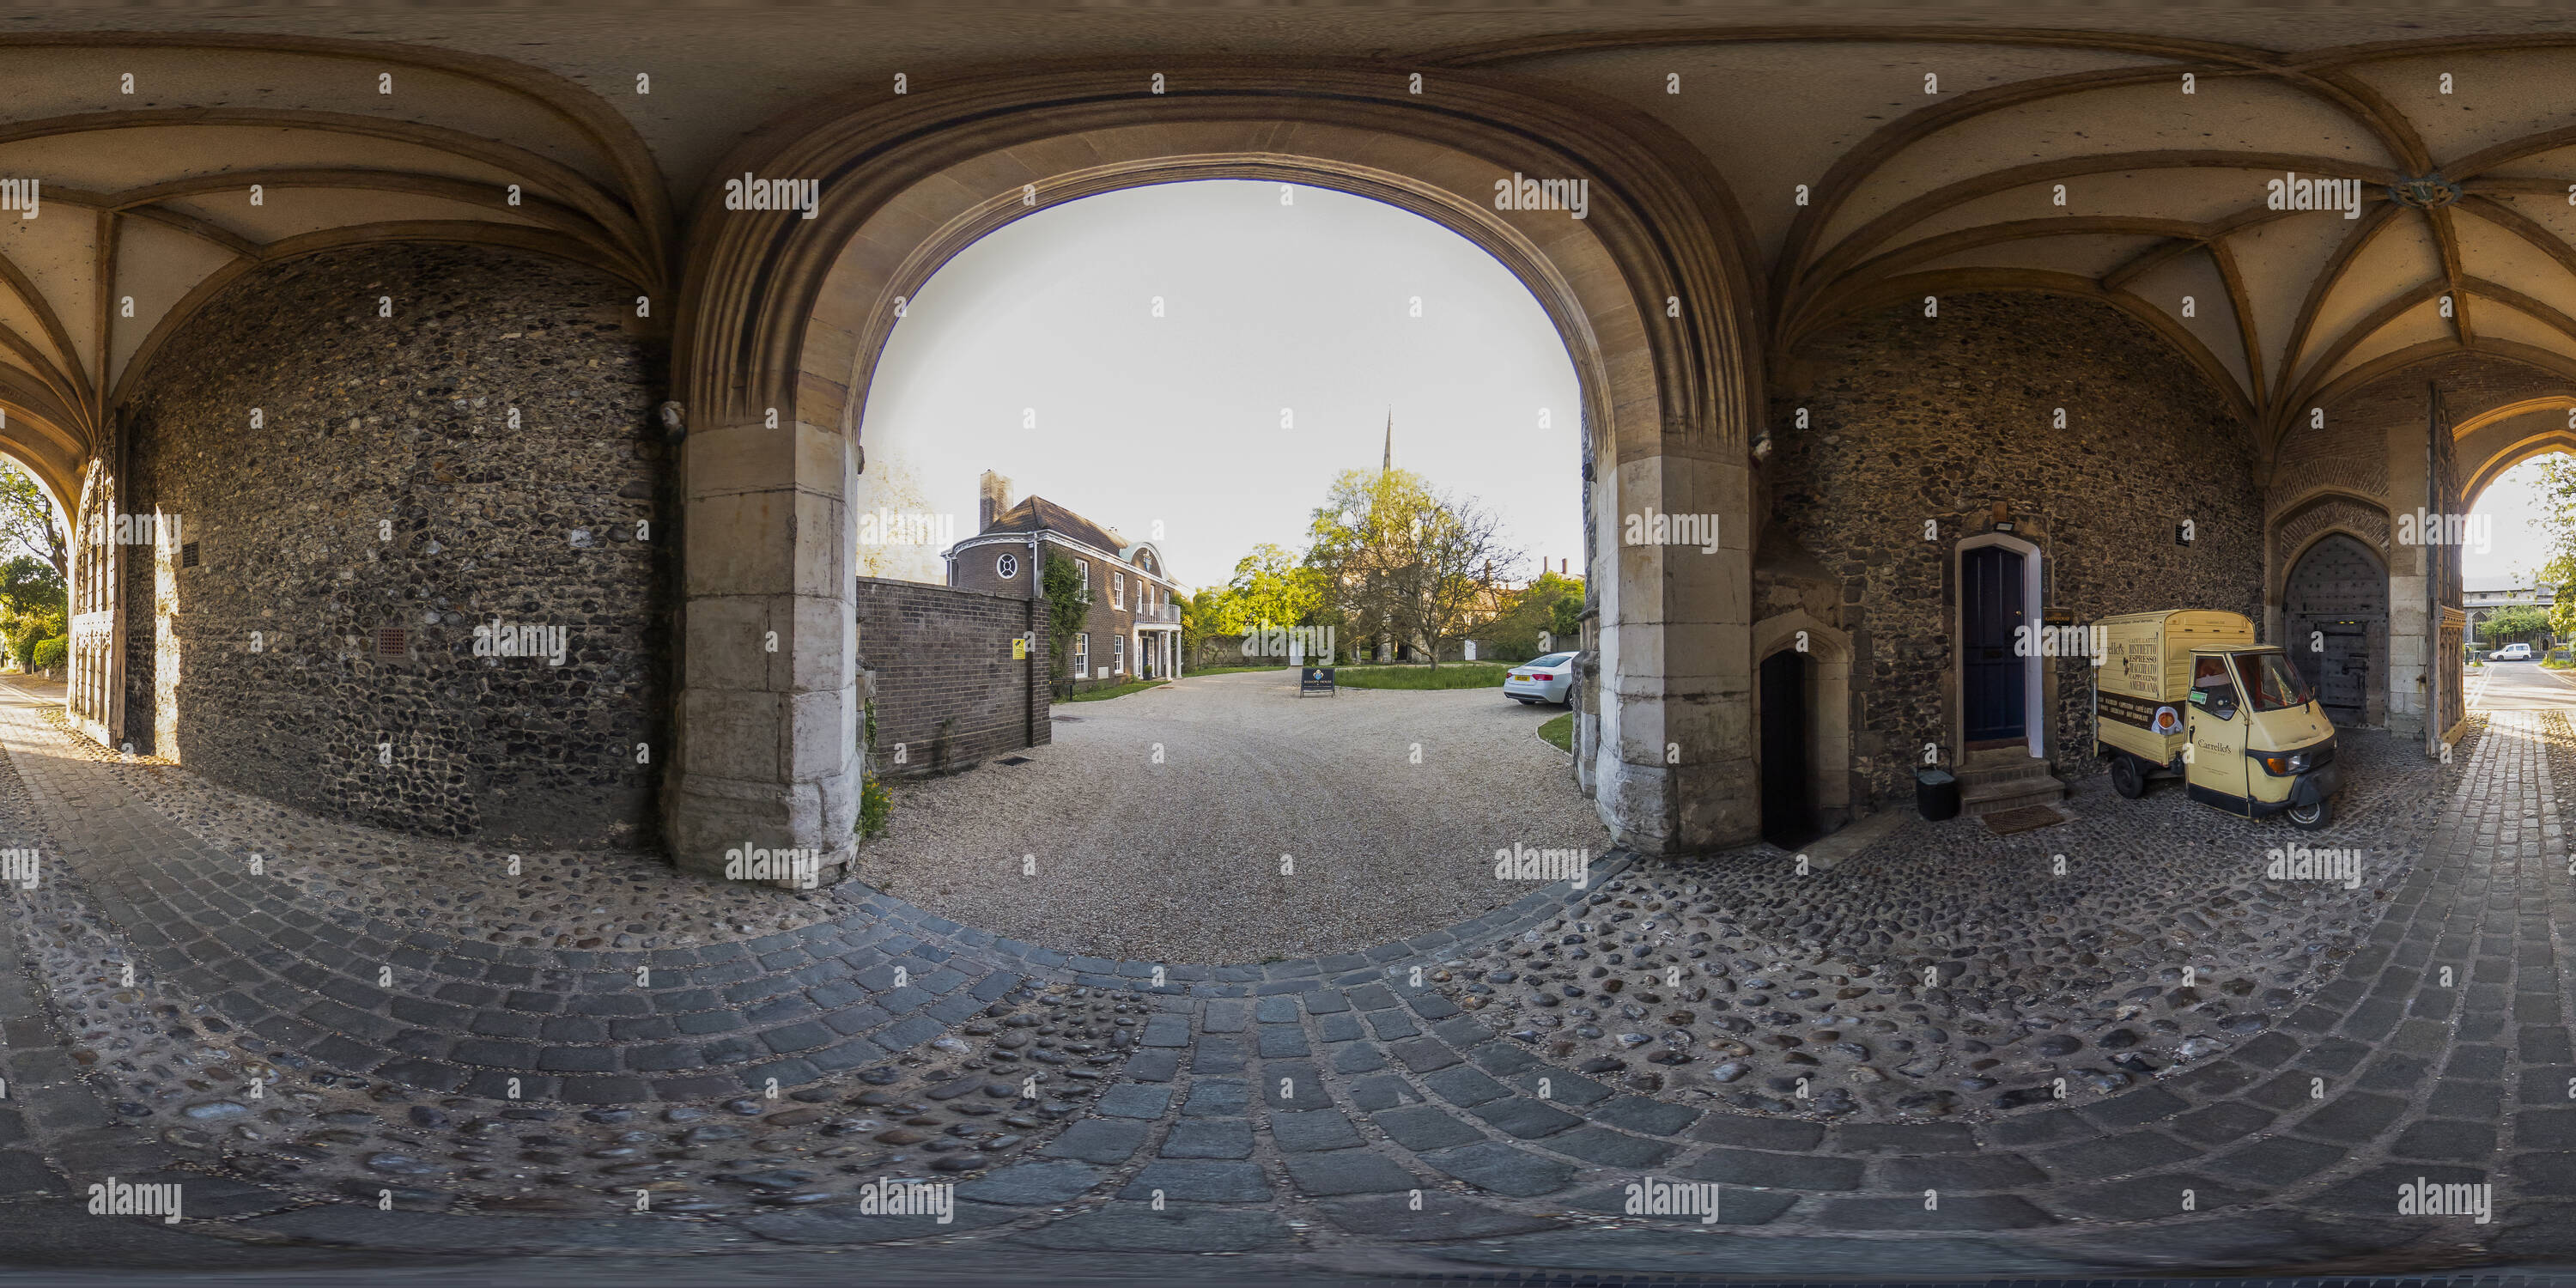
(706, 816)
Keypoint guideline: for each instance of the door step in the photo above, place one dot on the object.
(1988, 791)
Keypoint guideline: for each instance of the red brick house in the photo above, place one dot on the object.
(1134, 627)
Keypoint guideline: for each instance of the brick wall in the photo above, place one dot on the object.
(948, 693)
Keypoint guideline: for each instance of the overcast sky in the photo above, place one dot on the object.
(2519, 546)
(1306, 306)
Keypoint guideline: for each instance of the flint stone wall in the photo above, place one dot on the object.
(1913, 418)
(405, 420)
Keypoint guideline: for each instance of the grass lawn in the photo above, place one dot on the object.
(1560, 732)
(1229, 670)
(1112, 691)
(1454, 675)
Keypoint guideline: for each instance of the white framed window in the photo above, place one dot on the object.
(1118, 655)
(1008, 566)
(1082, 653)
(1117, 590)
(1083, 566)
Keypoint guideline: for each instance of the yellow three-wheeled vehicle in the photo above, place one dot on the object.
(2190, 695)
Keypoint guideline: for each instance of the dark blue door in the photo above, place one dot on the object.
(1990, 609)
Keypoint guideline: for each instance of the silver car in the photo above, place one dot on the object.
(1546, 679)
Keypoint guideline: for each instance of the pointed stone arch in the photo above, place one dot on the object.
(783, 318)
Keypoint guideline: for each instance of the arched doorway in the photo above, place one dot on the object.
(1788, 821)
(2335, 610)
(1802, 720)
(2001, 707)
(784, 319)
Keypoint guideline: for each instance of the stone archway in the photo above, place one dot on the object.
(783, 319)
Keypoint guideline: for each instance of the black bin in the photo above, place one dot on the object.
(1936, 794)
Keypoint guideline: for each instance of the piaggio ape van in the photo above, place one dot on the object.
(2190, 695)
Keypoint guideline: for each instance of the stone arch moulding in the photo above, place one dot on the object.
(2287, 632)
(1829, 725)
(787, 315)
(2296, 528)
(2501, 456)
(2321, 514)
(2037, 714)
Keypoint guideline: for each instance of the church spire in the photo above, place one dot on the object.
(1386, 464)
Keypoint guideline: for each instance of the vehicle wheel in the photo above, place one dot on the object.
(1572, 696)
(2309, 818)
(2126, 779)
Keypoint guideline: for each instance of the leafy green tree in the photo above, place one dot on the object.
(1405, 564)
(1565, 619)
(1270, 588)
(2514, 622)
(1068, 607)
(33, 607)
(1551, 605)
(2558, 523)
(1211, 610)
(28, 522)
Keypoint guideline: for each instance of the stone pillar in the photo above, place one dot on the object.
(1674, 765)
(769, 706)
(2411, 632)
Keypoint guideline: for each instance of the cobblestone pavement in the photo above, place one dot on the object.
(1149, 810)
(1333, 1112)
(1948, 971)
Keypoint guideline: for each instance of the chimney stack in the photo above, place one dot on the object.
(993, 497)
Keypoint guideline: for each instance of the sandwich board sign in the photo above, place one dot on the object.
(1316, 679)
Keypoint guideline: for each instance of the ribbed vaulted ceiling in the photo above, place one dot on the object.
(147, 195)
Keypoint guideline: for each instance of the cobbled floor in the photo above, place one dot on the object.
(1948, 971)
(317, 1074)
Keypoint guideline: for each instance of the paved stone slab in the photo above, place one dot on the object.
(1965, 1212)
(1199, 1182)
(1311, 1131)
(1098, 1140)
(1035, 1184)
(1133, 1227)
(1135, 1100)
(1442, 1216)
(1209, 1138)
(1422, 1127)
(1349, 1171)
(1735, 1205)
(1504, 1169)
(844, 1223)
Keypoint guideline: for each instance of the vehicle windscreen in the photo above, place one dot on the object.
(2271, 682)
(1551, 659)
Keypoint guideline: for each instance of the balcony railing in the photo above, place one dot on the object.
(1165, 613)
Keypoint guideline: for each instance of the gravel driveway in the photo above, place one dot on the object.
(1178, 859)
